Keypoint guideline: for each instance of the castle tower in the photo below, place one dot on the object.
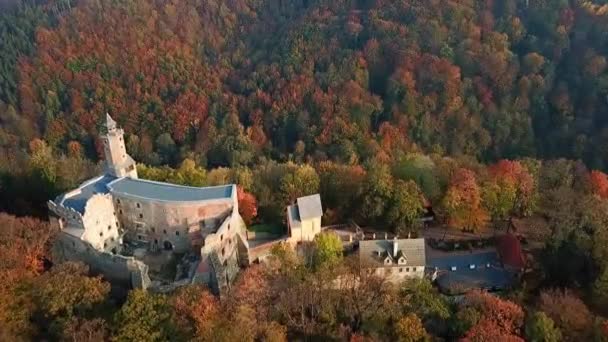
(118, 162)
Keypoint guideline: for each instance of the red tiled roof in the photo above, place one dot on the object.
(509, 249)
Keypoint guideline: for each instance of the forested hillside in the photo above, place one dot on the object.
(231, 81)
(485, 110)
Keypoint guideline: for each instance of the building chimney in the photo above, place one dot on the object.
(395, 247)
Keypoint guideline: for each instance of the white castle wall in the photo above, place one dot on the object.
(100, 223)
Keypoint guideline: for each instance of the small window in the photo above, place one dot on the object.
(177, 233)
(138, 205)
(228, 226)
(112, 239)
(138, 237)
(105, 245)
(453, 268)
(101, 234)
(153, 229)
(120, 211)
(472, 266)
(223, 251)
(164, 231)
(109, 227)
(413, 269)
(230, 241)
(73, 244)
(141, 216)
(118, 200)
(222, 237)
(401, 270)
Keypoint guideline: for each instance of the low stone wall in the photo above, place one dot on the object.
(259, 251)
(251, 235)
(118, 269)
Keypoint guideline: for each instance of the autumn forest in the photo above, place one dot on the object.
(486, 110)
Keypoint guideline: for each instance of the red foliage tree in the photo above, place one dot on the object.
(599, 183)
(500, 317)
(486, 330)
(248, 207)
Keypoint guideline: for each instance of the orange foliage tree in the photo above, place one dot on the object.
(462, 202)
(512, 188)
(195, 307)
(568, 312)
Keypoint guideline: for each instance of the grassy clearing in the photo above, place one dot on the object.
(271, 228)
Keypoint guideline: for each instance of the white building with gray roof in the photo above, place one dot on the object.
(111, 214)
(304, 218)
(395, 260)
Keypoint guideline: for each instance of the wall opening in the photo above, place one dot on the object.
(168, 245)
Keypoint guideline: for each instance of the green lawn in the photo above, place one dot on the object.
(272, 228)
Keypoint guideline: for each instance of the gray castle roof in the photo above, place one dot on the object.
(373, 252)
(158, 191)
(78, 198)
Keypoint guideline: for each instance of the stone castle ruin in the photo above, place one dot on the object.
(149, 234)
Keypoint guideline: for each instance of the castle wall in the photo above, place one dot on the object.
(126, 271)
(67, 217)
(100, 223)
(224, 240)
(178, 223)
